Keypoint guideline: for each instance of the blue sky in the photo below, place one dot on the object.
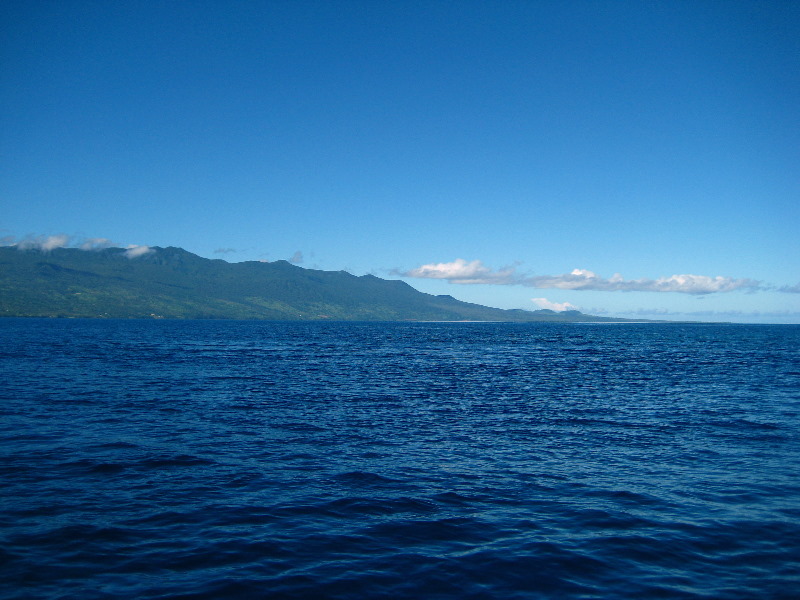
(624, 158)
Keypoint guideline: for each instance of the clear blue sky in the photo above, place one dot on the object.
(577, 153)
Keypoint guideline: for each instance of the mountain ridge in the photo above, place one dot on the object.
(171, 282)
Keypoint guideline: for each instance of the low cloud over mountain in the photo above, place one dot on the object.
(48, 243)
(556, 306)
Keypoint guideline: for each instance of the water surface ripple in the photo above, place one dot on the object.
(193, 460)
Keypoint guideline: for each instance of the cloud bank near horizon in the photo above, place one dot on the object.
(473, 272)
(790, 289)
(714, 314)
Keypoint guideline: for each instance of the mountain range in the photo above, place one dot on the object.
(176, 284)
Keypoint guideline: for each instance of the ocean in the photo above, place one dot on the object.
(332, 460)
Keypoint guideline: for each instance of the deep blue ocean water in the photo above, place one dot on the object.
(207, 459)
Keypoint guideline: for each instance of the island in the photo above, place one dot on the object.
(172, 283)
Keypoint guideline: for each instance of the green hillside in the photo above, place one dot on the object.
(176, 284)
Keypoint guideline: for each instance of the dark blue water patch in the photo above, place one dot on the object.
(352, 460)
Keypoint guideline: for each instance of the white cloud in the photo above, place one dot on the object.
(556, 306)
(475, 272)
(134, 251)
(54, 241)
(463, 272)
(45, 243)
(95, 244)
